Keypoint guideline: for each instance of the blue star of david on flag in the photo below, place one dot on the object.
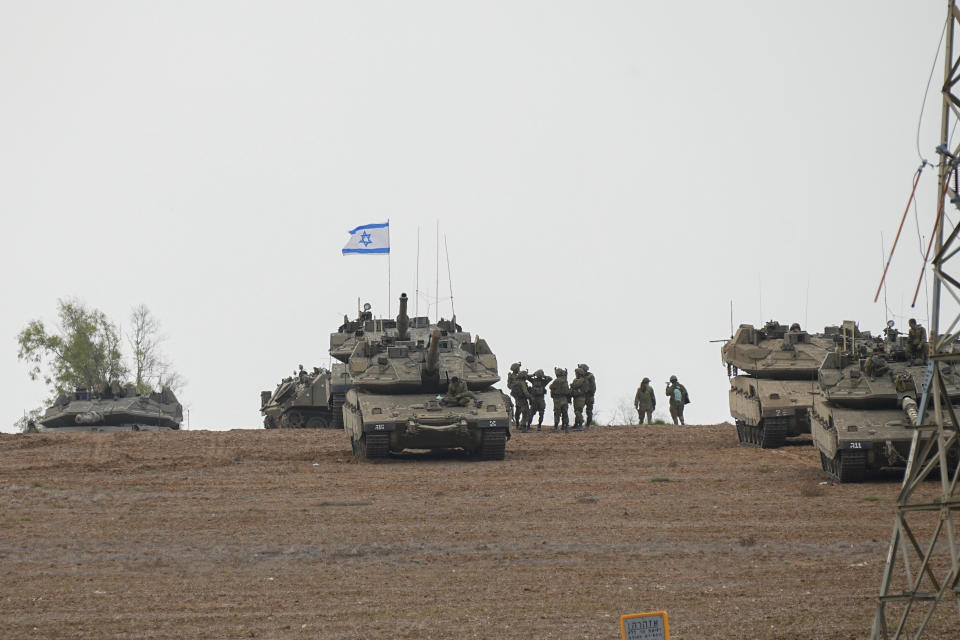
(369, 238)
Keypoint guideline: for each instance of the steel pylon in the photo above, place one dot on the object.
(919, 593)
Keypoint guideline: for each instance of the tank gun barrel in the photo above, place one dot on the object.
(403, 320)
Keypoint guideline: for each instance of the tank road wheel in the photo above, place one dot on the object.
(317, 422)
(375, 445)
(294, 419)
(269, 423)
(773, 434)
(493, 443)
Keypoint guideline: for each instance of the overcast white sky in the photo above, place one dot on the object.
(609, 176)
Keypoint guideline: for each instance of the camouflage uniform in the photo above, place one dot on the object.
(916, 341)
(579, 393)
(511, 380)
(457, 393)
(676, 407)
(590, 388)
(645, 401)
(538, 391)
(560, 392)
(521, 395)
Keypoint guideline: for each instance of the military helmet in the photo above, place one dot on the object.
(578, 370)
(584, 368)
(538, 372)
(515, 367)
(673, 378)
(645, 381)
(560, 373)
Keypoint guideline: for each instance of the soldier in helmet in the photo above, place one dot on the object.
(678, 398)
(590, 388)
(538, 392)
(579, 393)
(560, 392)
(520, 391)
(511, 378)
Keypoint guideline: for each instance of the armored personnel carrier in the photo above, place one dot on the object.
(400, 383)
(303, 401)
(117, 408)
(864, 417)
(772, 398)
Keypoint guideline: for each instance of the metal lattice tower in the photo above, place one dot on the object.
(919, 592)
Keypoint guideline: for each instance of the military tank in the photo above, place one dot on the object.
(303, 401)
(864, 418)
(773, 372)
(400, 380)
(117, 408)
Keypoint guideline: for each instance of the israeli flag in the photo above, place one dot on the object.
(369, 238)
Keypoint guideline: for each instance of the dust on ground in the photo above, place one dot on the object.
(281, 534)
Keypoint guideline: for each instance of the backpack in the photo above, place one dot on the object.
(678, 395)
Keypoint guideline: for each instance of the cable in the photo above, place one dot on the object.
(923, 104)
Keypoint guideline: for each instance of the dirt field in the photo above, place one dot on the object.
(280, 534)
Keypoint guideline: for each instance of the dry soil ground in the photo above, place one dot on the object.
(281, 534)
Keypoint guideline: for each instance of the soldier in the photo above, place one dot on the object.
(538, 392)
(301, 374)
(876, 365)
(590, 388)
(678, 398)
(511, 378)
(520, 391)
(916, 341)
(457, 393)
(579, 393)
(560, 392)
(645, 401)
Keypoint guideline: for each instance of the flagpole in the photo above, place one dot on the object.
(389, 283)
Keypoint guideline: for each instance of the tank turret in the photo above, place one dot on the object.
(116, 408)
(773, 371)
(403, 397)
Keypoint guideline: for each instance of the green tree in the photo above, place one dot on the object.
(84, 351)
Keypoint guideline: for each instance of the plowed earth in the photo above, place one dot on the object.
(281, 534)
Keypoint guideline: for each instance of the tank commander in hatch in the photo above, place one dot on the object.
(916, 341)
(876, 365)
(795, 328)
(457, 393)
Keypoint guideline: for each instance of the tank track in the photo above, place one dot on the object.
(377, 445)
(772, 433)
(847, 466)
(493, 444)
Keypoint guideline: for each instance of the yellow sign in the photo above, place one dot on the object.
(645, 626)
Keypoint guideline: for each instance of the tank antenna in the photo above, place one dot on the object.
(436, 290)
(449, 278)
(416, 303)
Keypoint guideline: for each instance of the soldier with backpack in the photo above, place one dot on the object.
(678, 398)
(538, 391)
